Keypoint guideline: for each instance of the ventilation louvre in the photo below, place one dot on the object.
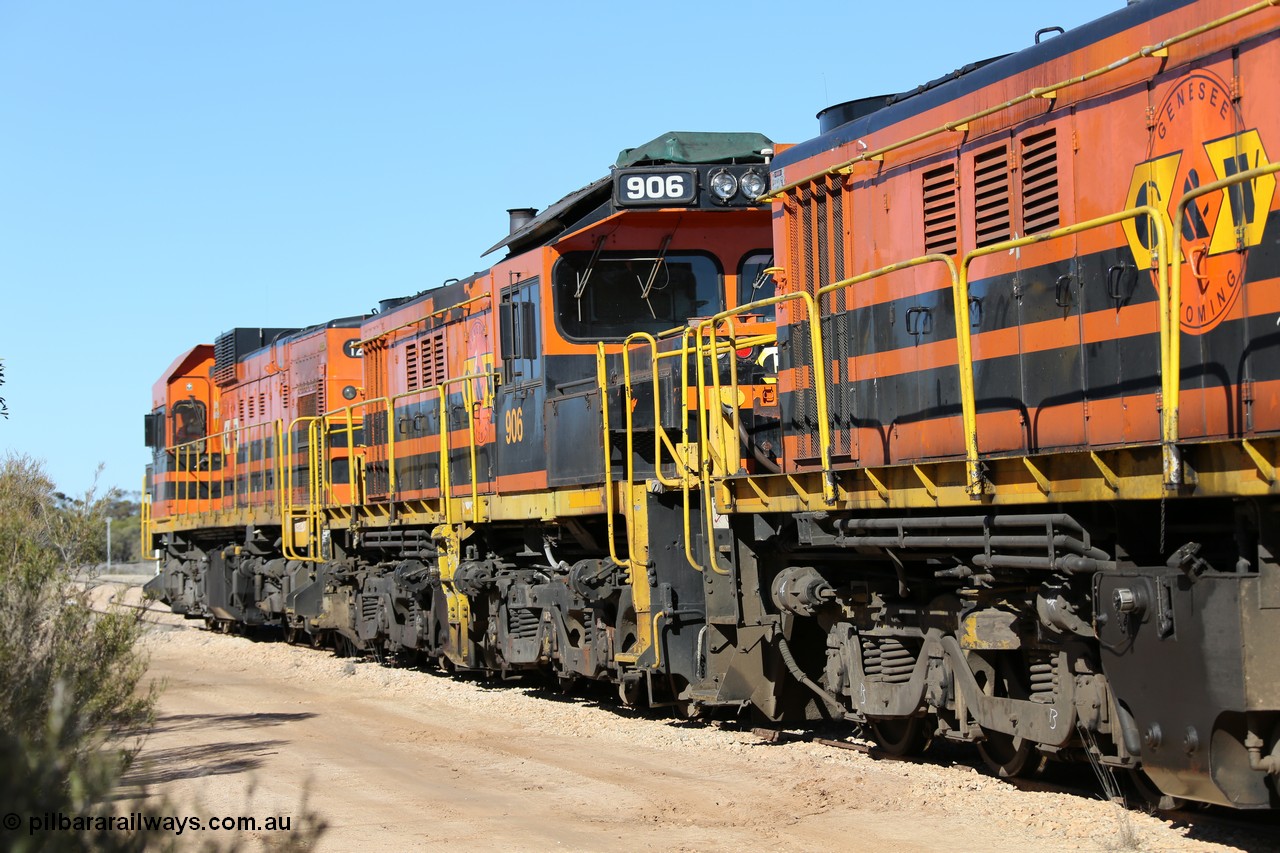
(1040, 182)
(992, 221)
(412, 377)
(224, 359)
(375, 359)
(434, 359)
(940, 221)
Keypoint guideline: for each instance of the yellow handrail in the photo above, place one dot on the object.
(355, 472)
(660, 433)
(602, 382)
(1157, 50)
(1173, 316)
(818, 368)
(964, 353)
(144, 521)
(317, 456)
(707, 449)
(288, 533)
(1160, 255)
(442, 310)
(685, 484)
(446, 476)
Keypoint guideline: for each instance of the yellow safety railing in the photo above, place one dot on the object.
(207, 473)
(446, 473)
(341, 421)
(356, 471)
(1172, 358)
(1160, 261)
(693, 452)
(684, 482)
(238, 440)
(144, 517)
(717, 348)
(714, 443)
(1050, 91)
(660, 433)
(964, 351)
(707, 343)
(310, 512)
(603, 383)
(319, 463)
(709, 445)
(194, 466)
(318, 468)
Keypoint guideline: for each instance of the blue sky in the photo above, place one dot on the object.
(169, 170)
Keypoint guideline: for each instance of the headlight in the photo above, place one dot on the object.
(754, 185)
(724, 185)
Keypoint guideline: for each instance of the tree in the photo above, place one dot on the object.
(71, 710)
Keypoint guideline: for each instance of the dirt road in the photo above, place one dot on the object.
(406, 760)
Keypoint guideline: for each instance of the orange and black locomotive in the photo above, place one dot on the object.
(959, 420)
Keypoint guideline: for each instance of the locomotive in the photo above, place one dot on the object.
(971, 433)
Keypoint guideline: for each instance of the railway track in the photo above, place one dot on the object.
(1258, 830)
(1252, 830)
(150, 614)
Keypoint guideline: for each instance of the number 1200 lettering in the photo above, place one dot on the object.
(655, 186)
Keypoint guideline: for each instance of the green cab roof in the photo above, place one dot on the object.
(679, 146)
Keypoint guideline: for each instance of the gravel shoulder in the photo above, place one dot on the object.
(410, 760)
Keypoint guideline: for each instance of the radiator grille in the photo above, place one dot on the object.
(224, 359)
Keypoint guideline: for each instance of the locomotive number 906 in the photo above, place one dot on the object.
(648, 187)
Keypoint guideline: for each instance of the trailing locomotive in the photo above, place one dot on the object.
(972, 436)
(450, 503)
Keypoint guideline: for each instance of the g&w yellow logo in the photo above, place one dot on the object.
(1195, 140)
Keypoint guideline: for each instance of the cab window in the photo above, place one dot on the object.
(518, 333)
(754, 283)
(188, 421)
(608, 296)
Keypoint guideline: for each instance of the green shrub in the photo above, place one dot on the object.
(72, 710)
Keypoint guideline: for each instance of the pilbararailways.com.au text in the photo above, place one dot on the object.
(142, 822)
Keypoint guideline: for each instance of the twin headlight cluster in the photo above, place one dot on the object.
(724, 185)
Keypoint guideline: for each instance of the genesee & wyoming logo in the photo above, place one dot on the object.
(1196, 138)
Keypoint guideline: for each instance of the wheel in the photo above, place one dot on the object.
(1009, 756)
(901, 737)
(1152, 796)
(291, 636)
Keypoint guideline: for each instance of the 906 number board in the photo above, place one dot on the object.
(647, 187)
